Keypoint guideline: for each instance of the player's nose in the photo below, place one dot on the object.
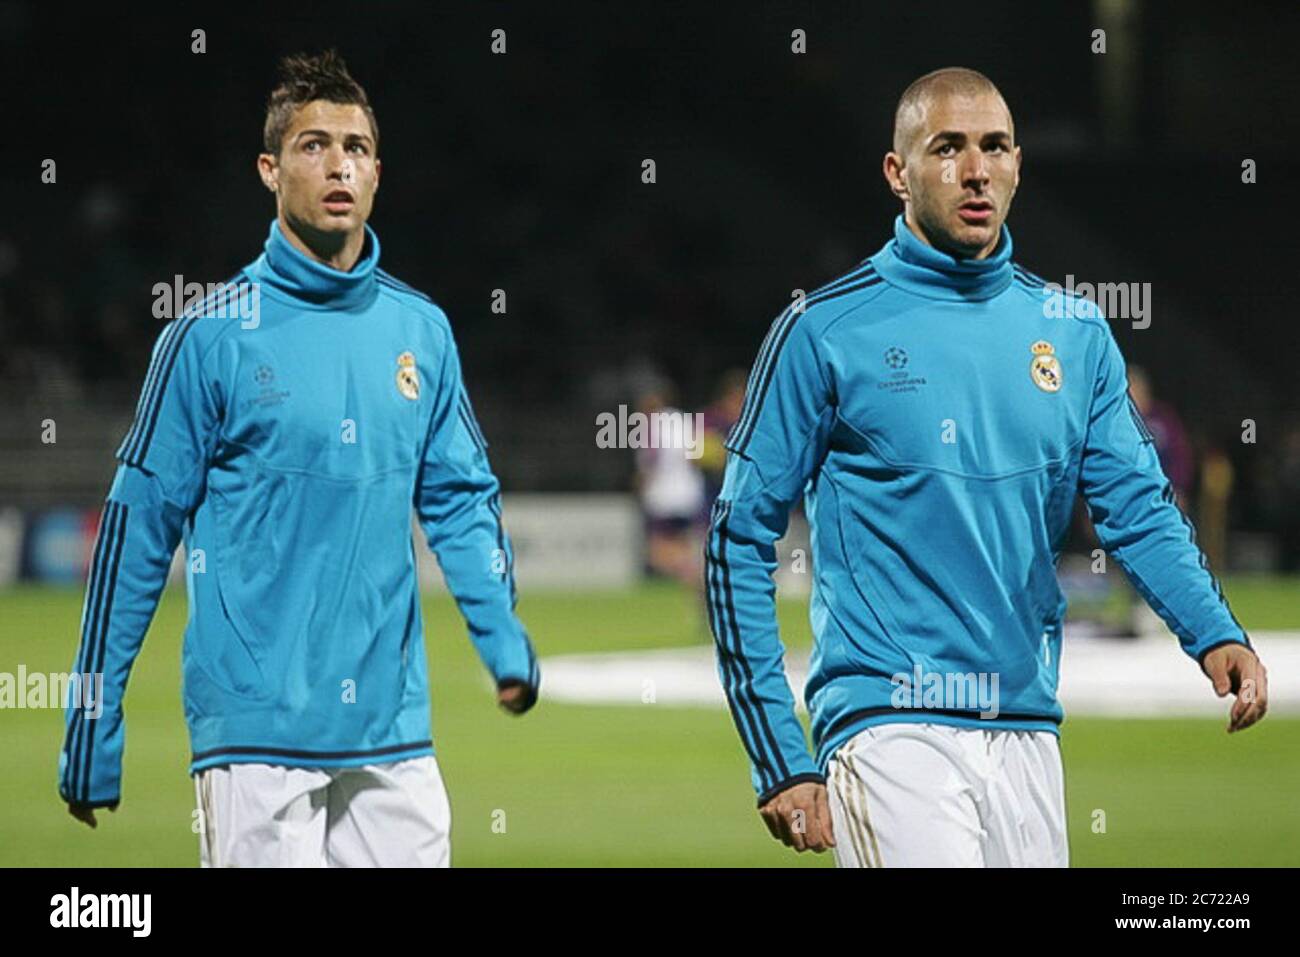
(336, 162)
(976, 168)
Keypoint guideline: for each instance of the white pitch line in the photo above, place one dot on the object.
(1110, 677)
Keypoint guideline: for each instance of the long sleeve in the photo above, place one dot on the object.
(458, 503)
(159, 481)
(1138, 521)
(776, 446)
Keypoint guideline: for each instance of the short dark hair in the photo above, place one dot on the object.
(305, 78)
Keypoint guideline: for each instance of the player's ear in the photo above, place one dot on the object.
(1016, 184)
(378, 167)
(269, 171)
(896, 175)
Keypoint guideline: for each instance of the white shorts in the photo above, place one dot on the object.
(914, 794)
(377, 815)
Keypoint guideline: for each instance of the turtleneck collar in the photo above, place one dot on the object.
(294, 274)
(926, 271)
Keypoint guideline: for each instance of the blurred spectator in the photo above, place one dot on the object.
(1176, 458)
(1217, 477)
(1283, 497)
(1166, 427)
(671, 488)
(718, 421)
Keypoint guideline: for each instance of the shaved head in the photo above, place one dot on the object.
(909, 117)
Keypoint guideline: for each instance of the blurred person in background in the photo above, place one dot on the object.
(1282, 493)
(1178, 460)
(1217, 479)
(670, 488)
(719, 419)
(1173, 447)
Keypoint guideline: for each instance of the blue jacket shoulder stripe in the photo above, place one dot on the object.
(761, 377)
(796, 308)
(471, 422)
(136, 444)
(1030, 279)
(392, 282)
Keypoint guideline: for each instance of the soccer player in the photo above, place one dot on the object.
(287, 449)
(940, 409)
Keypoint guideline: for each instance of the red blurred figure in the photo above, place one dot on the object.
(1172, 445)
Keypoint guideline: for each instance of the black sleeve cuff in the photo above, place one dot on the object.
(788, 783)
(111, 804)
(529, 700)
(1200, 659)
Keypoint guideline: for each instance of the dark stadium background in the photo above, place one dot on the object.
(521, 172)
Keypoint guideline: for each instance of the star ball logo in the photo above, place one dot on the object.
(895, 358)
(899, 379)
(266, 394)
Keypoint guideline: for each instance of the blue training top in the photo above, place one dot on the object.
(286, 445)
(940, 415)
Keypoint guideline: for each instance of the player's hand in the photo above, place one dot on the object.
(513, 698)
(1235, 668)
(800, 817)
(84, 813)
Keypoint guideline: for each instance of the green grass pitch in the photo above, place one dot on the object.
(633, 786)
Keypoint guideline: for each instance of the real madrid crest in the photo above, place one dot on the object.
(408, 379)
(1045, 368)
